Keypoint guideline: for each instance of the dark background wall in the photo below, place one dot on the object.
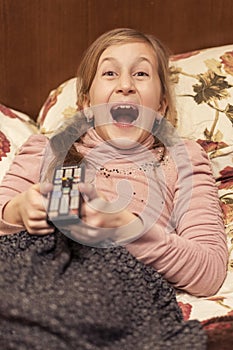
(41, 41)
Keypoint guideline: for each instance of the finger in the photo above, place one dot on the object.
(89, 190)
(41, 232)
(45, 188)
(39, 228)
(37, 215)
(86, 234)
(97, 205)
(100, 205)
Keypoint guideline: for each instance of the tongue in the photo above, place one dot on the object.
(124, 119)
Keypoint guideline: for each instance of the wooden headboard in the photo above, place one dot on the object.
(42, 41)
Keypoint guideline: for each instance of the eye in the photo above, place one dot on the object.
(141, 74)
(109, 73)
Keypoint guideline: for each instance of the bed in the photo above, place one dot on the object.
(42, 42)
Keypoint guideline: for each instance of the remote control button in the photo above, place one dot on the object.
(54, 203)
(66, 190)
(74, 202)
(77, 172)
(64, 205)
(58, 174)
(68, 172)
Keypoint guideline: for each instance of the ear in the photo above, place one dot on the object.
(88, 112)
(163, 106)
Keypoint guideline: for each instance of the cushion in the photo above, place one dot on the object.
(60, 105)
(204, 88)
(15, 129)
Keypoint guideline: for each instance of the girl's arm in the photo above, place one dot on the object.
(21, 203)
(194, 255)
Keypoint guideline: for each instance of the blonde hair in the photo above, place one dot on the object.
(88, 66)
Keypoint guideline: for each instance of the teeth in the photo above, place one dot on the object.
(124, 113)
(124, 106)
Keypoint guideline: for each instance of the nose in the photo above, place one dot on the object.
(125, 84)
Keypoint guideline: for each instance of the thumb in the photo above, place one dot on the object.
(44, 188)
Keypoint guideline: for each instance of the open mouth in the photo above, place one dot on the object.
(124, 114)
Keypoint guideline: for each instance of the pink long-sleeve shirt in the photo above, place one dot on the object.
(176, 197)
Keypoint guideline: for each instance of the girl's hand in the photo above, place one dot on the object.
(28, 209)
(102, 221)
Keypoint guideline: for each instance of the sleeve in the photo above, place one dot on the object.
(24, 171)
(193, 257)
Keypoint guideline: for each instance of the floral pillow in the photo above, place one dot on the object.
(60, 105)
(203, 83)
(15, 129)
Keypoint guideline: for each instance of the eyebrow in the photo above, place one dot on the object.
(112, 59)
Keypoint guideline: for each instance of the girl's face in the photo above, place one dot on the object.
(126, 81)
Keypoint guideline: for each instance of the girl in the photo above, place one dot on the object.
(169, 217)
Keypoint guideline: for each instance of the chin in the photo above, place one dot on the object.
(123, 138)
(126, 142)
(123, 143)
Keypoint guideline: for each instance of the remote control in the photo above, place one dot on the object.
(65, 200)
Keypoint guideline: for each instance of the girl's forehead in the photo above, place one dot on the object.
(129, 50)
